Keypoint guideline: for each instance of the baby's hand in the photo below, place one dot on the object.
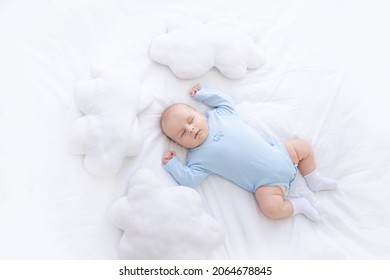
(194, 90)
(168, 156)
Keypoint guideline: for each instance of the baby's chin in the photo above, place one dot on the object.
(199, 141)
(201, 137)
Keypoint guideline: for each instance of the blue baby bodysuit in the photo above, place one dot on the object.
(233, 150)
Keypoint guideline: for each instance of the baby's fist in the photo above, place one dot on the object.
(168, 156)
(194, 90)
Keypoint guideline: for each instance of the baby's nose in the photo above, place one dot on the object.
(191, 129)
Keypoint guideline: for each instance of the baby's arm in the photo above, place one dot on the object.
(212, 98)
(186, 176)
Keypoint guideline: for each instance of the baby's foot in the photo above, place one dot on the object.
(318, 183)
(302, 206)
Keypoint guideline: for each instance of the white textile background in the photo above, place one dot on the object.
(325, 79)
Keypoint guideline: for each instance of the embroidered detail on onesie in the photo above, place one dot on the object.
(218, 136)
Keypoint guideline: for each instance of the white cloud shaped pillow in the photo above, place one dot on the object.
(108, 131)
(191, 48)
(163, 222)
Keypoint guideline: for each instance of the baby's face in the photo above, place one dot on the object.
(185, 126)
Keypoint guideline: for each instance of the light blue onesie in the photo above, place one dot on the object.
(233, 150)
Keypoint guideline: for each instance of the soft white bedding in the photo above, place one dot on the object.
(325, 79)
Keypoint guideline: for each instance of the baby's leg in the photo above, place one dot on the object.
(274, 206)
(301, 153)
(272, 203)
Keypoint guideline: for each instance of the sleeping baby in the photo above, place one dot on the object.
(223, 144)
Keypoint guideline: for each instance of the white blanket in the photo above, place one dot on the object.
(325, 79)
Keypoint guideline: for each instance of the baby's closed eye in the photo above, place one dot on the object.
(190, 120)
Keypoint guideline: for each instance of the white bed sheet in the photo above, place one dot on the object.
(325, 80)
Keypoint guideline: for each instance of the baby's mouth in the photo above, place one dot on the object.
(196, 134)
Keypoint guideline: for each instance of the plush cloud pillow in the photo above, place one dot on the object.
(108, 131)
(191, 48)
(163, 222)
